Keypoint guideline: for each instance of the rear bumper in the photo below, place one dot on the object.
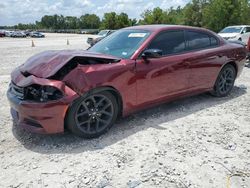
(240, 66)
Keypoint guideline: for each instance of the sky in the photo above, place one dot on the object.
(28, 11)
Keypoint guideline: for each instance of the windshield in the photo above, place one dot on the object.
(122, 43)
(231, 30)
(103, 32)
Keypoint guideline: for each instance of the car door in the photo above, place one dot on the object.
(245, 34)
(204, 57)
(162, 77)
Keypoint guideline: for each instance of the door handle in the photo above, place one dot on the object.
(186, 63)
(212, 57)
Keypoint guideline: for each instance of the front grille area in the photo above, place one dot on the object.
(32, 122)
(17, 91)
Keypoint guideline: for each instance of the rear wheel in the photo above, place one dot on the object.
(225, 81)
(93, 115)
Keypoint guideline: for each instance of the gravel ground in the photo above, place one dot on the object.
(198, 141)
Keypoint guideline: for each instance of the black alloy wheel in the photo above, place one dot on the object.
(93, 115)
(225, 81)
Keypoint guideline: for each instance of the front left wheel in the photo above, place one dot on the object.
(93, 115)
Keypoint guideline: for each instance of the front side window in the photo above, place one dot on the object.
(170, 42)
(122, 43)
(199, 40)
(214, 41)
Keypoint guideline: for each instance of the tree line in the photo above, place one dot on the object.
(211, 14)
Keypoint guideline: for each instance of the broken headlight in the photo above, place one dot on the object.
(43, 93)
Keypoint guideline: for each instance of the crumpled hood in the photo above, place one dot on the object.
(46, 64)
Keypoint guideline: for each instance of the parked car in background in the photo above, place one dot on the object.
(27, 33)
(2, 34)
(132, 69)
(89, 31)
(102, 34)
(240, 32)
(37, 35)
(19, 34)
(94, 41)
(8, 33)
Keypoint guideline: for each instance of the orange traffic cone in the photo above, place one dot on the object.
(32, 44)
(67, 41)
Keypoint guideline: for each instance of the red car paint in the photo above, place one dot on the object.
(140, 84)
(49, 62)
(248, 45)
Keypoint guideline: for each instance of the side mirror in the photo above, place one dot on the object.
(151, 53)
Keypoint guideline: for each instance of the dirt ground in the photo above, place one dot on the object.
(194, 142)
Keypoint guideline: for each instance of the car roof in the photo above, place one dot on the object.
(160, 27)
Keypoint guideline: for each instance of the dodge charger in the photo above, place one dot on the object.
(135, 68)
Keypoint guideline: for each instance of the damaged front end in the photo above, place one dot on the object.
(79, 60)
(39, 105)
(38, 94)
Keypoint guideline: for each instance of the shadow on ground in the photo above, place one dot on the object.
(68, 143)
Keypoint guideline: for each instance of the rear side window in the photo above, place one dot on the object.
(170, 42)
(214, 41)
(199, 40)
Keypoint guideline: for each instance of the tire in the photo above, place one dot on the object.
(92, 115)
(225, 81)
(240, 39)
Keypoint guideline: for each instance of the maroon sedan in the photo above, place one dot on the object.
(132, 69)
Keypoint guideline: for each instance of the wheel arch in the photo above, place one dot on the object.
(233, 63)
(228, 63)
(110, 89)
(114, 92)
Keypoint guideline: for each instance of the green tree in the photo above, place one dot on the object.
(193, 12)
(155, 16)
(212, 14)
(109, 20)
(220, 14)
(89, 21)
(133, 21)
(122, 21)
(174, 16)
(47, 22)
(71, 22)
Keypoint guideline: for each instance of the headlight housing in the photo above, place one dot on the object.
(43, 93)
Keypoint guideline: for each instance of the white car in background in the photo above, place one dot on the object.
(18, 34)
(8, 33)
(239, 32)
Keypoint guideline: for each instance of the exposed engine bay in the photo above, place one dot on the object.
(74, 62)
